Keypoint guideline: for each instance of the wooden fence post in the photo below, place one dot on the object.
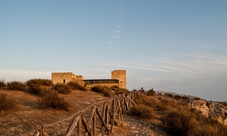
(103, 117)
(113, 115)
(79, 127)
(72, 125)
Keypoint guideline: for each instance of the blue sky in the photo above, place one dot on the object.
(177, 46)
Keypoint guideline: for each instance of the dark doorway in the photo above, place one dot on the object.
(64, 81)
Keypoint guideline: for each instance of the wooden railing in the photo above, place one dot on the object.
(101, 119)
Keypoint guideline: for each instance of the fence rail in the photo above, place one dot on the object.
(103, 116)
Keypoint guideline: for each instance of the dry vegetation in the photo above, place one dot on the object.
(173, 115)
(176, 118)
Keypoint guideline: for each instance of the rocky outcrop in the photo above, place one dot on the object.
(213, 110)
(200, 106)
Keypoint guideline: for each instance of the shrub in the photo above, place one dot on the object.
(179, 120)
(178, 123)
(118, 90)
(102, 89)
(151, 92)
(50, 99)
(76, 86)
(142, 111)
(2, 84)
(6, 103)
(44, 82)
(177, 97)
(169, 94)
(62, 88)
(16, 85)
(145, 100)
(34, 89)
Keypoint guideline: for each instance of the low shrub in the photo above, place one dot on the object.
(151, 92)
(44, 82)
(102, 89)
(76, 86)
(2, 84)
(177, 97)
(61, 88)
(16, 85)
(6, 103)
(118, 90)
(185, 97)
(34, 89)
(169, 94)
(145, 100)
(178, 123)
(142, 111)
(179, 120)
(51, 99)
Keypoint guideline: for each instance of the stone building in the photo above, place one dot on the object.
(118, 78)
(65, 77)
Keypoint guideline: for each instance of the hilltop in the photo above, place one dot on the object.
(155, 114)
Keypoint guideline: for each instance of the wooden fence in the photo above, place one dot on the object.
(102, 118)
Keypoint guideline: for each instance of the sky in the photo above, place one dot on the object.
(176, 46)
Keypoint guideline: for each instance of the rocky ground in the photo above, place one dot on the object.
(28, 115)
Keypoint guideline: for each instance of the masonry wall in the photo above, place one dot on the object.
(62, 77)
(121, 76)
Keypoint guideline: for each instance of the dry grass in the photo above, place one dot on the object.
(2, 84)
(179, 120)
(16, 85)
(44, 82)
(142, 111)
(6, 103)
(103, 90)
(76, 86)
(151, 92)
(50, 99)
(62, 88)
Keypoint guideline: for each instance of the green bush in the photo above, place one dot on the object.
(61, 88)
(50, 99)
(142, 111)
(34, 89)
(44, 82)
(102, 89)
(2, 84)
(76, 86)
(151, 92)
(6, 103)
(16, 85)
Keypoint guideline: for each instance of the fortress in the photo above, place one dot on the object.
(118, 78)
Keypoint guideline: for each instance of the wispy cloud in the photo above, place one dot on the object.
(117, 31)
(116, 36)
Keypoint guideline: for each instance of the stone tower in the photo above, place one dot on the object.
(121, 76)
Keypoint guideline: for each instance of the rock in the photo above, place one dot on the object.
(216, 110)
(200, 105)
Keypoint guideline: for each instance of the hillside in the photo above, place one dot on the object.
(155, 114)
(28, 114)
